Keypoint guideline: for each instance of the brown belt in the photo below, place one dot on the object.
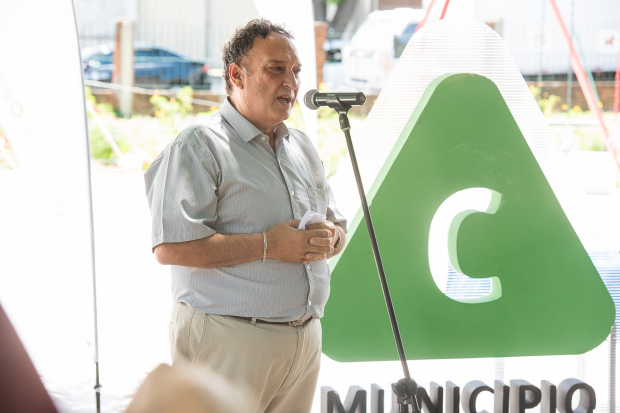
(285, 323)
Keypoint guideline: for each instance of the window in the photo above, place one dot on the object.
(102, 58)
(400, 42)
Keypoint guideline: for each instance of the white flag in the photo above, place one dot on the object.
(43, 115)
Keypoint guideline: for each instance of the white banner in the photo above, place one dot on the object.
(42, 113)
(298, 16)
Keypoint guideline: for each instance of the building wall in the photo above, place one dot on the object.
(362, 9)
(196, 28)
(96, 20)
(393, 4)
(180, 25)
(527, 23)
(224, 16)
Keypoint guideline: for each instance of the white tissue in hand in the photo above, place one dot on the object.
(311, 217)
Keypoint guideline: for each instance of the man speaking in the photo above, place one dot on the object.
(226, 197)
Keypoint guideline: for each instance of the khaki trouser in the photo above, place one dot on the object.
(278, 365)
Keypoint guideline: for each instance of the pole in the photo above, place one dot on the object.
(569, 75)
(612, 370)
(584, 82)
(445, 8)
(346, 128)
(577, 43)
(540, 57)
(123, 64)
(423, 22)
(405, 389)
(617, 88)
(97, 386)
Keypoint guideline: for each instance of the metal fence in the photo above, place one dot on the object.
(538, 50)
(541, 50)
(166, 55)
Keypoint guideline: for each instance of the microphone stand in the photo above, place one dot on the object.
(405, 389)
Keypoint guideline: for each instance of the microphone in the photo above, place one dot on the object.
(313, 99)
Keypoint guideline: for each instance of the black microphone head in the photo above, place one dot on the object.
(309, 99)
(360, 98)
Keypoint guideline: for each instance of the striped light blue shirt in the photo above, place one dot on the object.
(221, 176)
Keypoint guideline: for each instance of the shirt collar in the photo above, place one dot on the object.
(244, 128)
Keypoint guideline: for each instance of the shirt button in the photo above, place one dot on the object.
(264, 139)
(292, 193)
(309, 302)
(308, 266)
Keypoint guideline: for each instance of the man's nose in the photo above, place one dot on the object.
(291, 81)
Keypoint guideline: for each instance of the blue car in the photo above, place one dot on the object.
(154, 66)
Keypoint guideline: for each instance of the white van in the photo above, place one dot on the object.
(376, 46)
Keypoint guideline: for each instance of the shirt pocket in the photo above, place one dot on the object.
(319, 199)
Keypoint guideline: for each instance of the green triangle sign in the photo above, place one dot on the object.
(547, 296)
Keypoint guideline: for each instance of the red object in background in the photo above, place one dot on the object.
(617, 87)
(584, 82)
(423, 22)
(428, 13)
(205, 68)
(445, 8)
(21, 389)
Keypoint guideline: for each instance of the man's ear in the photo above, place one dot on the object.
(234, 72)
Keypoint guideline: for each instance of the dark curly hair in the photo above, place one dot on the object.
(242, 40)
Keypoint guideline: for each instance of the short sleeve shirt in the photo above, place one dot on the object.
(221, 176)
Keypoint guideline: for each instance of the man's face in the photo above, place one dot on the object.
(270, 89)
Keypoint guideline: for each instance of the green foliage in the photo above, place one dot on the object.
(89, 96)
(181, 105)
(100, 149)
(332, 145)
(173, 113)
(108, 107)
(151, 134)
(547, 104)
(296, 119)
(589, 140)
(331, 152)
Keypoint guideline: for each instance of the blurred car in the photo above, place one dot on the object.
(154, 66)
(376, 46)
(333, 49)
(401, 40)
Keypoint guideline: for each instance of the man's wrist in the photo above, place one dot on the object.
(261, 242)
(262, 260)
